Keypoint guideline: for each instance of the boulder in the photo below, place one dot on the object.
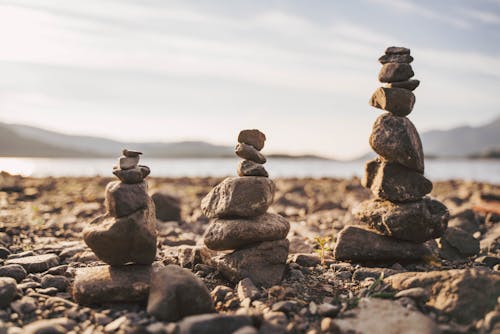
(413, 221)
(176, 293)
(243, 197)
(397, 101)
(123, 199)
(396, 139)
(264, 263)
(361, 245)
(224, 234)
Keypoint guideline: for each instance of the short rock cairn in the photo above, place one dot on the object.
(237, 207)
(401, 217)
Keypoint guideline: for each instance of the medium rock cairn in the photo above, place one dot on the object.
(237, 207)
(127, 232)
(401, 216)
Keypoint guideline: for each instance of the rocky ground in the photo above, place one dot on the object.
(455, 290)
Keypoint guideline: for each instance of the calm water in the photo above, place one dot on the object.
(479, 170)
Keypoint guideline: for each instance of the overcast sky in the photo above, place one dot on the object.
(301, 71)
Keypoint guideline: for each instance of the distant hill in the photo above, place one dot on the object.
(463, 141)
(28, 141)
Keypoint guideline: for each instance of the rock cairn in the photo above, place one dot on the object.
(401, 216)
(240, 222)
(127, 232)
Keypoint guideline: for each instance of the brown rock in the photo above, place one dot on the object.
(250, 168)
(397, 50)
(396, 139)
(167, 207)
(244, 197)
(398, 101)
(396, 58)
(213, 323)
(176, 293)
(35, 263)
(131, 153)
(392, 72)
(264, 263)
(249, 152)
(464, 294)
(410, 84)
(223, 234)
(397, 183)
(128, 162)
(362, 245)
(371, 169)
(105, 284)
(118, 241)
(414, 221)
(132, 176)
(252, 137)
(124, 199)
(460, 241)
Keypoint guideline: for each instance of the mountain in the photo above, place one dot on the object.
(28, 141)
(463, 141)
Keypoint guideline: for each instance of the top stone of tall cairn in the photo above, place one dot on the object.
(252, 137)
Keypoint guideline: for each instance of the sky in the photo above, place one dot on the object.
(301, 71)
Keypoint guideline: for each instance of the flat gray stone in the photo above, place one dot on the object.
(36, 263)
(224, 234)
(128, 162)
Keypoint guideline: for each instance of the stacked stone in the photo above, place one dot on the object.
(240, 222)
(127, 232)
(401, 215)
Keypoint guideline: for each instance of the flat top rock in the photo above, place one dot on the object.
(397, 50)
(36, 263)
(131, 153)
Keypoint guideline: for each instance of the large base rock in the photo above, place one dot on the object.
(263, 263)
(395, 182)
(105, 284)
(375, 315)
(223, 234)
(396, 139)
(414, 221)
(360, 245)
(465, 294)
(176, 293)
(242, 197)
(118, 241)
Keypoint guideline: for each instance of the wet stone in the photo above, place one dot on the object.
(397, 101)
(36, 263)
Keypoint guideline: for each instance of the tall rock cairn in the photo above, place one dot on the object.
(237, 208)
(127, 232)
(401, 216)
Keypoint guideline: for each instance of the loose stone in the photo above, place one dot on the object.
(36, 263)
(8, 290)
(168, 207)
(16, 271)
(213, 323)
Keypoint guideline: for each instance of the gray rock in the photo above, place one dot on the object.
(50, 326)
(118, 241)
(306, 260)
(133, 175)
(397, 50)
(395, 58)
(465, 295)
(105, 284)
(252, 137)
(189, 256)
(410, 84)
(61, 283)
(374, 315)
(124, 199)
(168, 207)
(419, 294)
(392, 72)
(16, 271)
(366, 272)
(24, 306)
(250, 168)
(413, 221)
(396, 139)
(249, 152)
(224, 234)
(36, 263)
(8, 290)
(328, 310)
(397, 101)
(176, 293)
(395, 182)
(220, 292)
(361, 245)
(461, 241)
(244, 197)
(264, 263)
(128, 162)
(213, 323)
(131, 153)
(4, 252)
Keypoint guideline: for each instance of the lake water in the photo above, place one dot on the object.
(478, 170)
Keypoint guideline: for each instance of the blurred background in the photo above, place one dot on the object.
(80, 80)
